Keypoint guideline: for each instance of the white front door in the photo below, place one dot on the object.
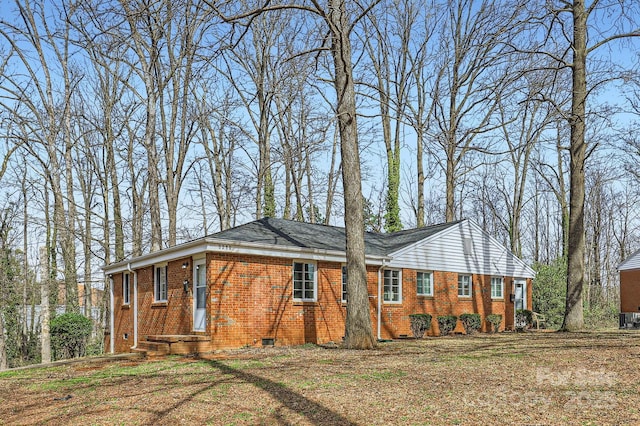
(520, 294)
(199, 296)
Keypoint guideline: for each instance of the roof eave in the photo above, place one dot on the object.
(216, 245)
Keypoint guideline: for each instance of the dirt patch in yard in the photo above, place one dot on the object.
(529, 378)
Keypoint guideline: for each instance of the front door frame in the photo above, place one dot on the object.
(199, 291)
(519, 282)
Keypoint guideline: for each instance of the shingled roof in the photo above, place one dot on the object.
(281, 232)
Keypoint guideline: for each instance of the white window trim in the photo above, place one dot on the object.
(470, 295)
(156, 284)
(395, 302)
(430, 273)
(501, 288)
(315, 280)
(126, 295)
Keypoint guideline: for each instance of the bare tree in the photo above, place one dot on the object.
(340, 24)
(472, 72)
(521, 136)
(44, 115)
(570, 27)
(387, 43)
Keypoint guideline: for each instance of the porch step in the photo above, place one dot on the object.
(153, 348)
(159, 345)
(173, 338)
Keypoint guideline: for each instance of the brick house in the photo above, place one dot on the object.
(275, 281)
(629, 271)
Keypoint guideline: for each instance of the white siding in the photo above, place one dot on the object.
(445, 251)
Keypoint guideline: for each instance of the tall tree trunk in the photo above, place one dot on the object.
(358, 329)
(45, 316)
(573, 317)
(4, 364)
(421, 180)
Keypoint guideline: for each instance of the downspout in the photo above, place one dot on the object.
(111, 318)
(380, 300)
(135, 306)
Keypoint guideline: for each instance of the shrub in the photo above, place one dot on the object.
(471, 322)
(495, 320)
(524, 319)
(446, 324)
(69, 335)
(420, 323)
(550, 290)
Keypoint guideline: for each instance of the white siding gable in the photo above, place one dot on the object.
(463, 248)
(631, 262)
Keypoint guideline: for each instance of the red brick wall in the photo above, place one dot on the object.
(250, 298)
(123, 316)
(445, 301)
(173, 316)
(630, 291)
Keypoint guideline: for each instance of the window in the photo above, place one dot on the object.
(424, 283)
(304, 281)
(160, 288)
(344, 283)
(464, 285)
(392, 287)
(497, 286)
(125, 289)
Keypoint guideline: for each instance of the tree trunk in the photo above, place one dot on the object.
(3, 346)
(45, 316)
(358, 330)
(573, 317)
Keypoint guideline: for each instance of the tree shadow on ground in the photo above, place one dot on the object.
(315, 412)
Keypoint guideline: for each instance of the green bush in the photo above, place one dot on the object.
(420, 323)
(495, 320)
(70, 333)
(550, 290)
(471, 322)
(446, 324)
(524, 319)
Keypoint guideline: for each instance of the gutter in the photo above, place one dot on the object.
(135, 306)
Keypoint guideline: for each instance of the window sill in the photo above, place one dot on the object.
(162, 304)
(465, 297)
(425, 296)
(305, 302)
(497, 299)
(125, 306)
(388, 302)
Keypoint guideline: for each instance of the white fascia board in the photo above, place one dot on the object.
(213, 245)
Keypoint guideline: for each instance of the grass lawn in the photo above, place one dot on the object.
(527, 378)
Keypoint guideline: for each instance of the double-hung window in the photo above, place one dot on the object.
(125, 289)
(304, 281)
(464, 285)
(344, 284)
(392, 286)
(497, 288)
(160, 287)
(424, 281)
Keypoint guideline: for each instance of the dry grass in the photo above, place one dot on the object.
(530, 378)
